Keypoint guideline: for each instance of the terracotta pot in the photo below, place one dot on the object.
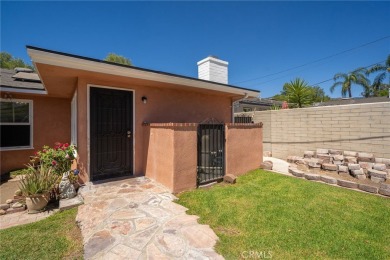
(36, 203)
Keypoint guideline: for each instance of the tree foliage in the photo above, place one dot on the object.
(318, 94)
(115, 58)
(7, 61)
(346, 80)
(300, 93)
(378, 86)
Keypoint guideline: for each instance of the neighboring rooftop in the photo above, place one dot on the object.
(261, 101)
(348, 101)
(20, 79)
(256, 104)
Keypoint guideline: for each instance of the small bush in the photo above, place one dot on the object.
(59, 158)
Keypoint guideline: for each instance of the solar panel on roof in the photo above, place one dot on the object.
(18, 69)
(26, 76)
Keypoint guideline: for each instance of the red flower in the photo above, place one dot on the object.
(36, 153)
(44, 150)
(66, 145)
(54, 163)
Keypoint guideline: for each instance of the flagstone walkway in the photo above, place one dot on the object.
(137, 219)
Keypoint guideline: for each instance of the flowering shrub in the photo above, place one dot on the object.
(59, 157)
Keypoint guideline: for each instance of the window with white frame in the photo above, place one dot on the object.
(16, 124)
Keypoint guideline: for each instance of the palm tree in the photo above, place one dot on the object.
(298, 92)
(378, 84)
(347, 79)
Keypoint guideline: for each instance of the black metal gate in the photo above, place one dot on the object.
(211, 152)
(243, 119)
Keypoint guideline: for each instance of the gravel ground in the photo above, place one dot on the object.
(7, 189)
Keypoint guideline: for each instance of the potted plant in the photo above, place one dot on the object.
(36, 185)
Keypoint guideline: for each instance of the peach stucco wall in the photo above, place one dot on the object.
(244, 147)
(51, 123)
(176, 105)
(172, 152)
(171, 155)
(185, 171)
(160, 155)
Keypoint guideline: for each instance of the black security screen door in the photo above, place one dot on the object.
(111, 143)
(211, 152)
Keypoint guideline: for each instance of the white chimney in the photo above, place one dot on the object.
(213, 69)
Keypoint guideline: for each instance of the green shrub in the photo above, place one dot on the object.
(59, 157)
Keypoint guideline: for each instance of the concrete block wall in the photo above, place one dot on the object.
(358, 127)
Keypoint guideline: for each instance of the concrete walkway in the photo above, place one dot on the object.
(137, 219)
(21, 218)
(279, 165)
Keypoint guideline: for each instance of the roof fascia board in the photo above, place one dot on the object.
(22, 90)
(77, 63)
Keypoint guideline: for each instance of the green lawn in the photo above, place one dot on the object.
(290, 218)
(56, 237)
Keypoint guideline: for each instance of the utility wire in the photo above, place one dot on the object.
(315, 61)
(348, 73)
(301, 70)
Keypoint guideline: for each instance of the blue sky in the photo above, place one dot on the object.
(256, 38)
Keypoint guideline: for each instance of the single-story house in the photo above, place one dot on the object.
(128, 121)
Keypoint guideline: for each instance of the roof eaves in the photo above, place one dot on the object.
(5, 88)
(252, 91)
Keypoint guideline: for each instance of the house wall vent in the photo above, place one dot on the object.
(213, 69)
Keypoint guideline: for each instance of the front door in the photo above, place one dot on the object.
(111, 133)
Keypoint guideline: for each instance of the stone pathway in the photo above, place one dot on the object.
(137, 219)
(21, 218)
(279, 165)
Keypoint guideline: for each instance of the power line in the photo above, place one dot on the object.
(301, 70)
(315, 61)
(347, 73)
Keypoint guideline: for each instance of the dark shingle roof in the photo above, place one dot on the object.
(29, 83)
(348, 101)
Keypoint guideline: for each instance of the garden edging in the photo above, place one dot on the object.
(382, 191)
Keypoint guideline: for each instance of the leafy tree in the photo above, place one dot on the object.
(346, 80)
(112, 57)
(318, 94)
(378, 87)
(301, 93)
(7, 61)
